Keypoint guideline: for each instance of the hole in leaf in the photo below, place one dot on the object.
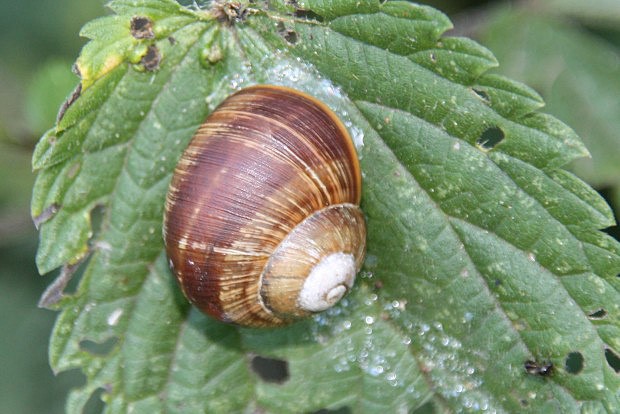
(609, 195)
(482, 94)
(308, 15)
(490, 138)
(95, 403)
(270, 369)
(598, 314)
(574, 363)
(98, 348)
(288, 34)
(341, 410)
(56, 290)
(97, 218)
(612, 359)
(141, 27)
(426, 408)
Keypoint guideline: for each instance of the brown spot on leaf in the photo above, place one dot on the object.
(151, 59)
(75, 69)
(230, 12)
(141, 28)
(75, 168)
(66, 104)
(542, 369)
(600, 313)
(46, 215)
(55, 292)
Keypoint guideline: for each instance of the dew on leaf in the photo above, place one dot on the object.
(370, 262)
(468, 317)
(342, 365)
(302, 76)
(357, 134)
(114, 317)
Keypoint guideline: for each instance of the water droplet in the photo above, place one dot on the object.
(468, 316)
(114, 317)
(375, 370)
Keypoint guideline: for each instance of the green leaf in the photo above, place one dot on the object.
(577, 73)
(111, 40)
(483, 253)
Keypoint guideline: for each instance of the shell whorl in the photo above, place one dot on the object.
(268, 187)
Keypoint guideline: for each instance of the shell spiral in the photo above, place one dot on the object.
(262, 222)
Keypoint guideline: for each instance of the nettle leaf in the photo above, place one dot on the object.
(487, 285)
(577, 73)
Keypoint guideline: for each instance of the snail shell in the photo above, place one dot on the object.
(262, 222)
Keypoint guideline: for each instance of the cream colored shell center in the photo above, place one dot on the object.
(328, 282)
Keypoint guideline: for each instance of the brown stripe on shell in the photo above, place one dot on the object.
(262, 162)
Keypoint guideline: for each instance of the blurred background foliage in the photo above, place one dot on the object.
(38, 43)
(568, 50)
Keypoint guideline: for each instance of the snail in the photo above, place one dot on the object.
(262, 224)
